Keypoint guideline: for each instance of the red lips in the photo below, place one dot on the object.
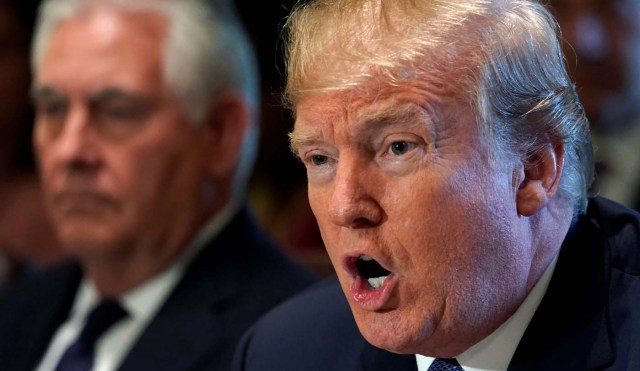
(373, 285)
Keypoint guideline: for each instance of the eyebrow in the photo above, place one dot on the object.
(391, 116)
(48, 92)
(370, 123)
(45, 92)
(110, 93)
(298, 138)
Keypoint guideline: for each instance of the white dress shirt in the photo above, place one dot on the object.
(141, 303)
(494, 352)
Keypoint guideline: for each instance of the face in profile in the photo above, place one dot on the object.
(121, 167)
(419, 221)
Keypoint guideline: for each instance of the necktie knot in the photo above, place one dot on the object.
(79, 355)
(103, 316)
(445, 364)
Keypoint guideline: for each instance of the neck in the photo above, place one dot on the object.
(548, 230)
(119, 273)
(115, 278)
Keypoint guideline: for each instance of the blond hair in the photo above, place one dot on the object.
(502, 58)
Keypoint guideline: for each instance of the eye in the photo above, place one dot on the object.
(318, 160)
(50, 115)
(121, 116)
(320, 165)
(400, 153)
(51, 108)
(400, 147)
(120, 110)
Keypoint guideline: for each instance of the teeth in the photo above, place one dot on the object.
(365, 258)
(376, 282)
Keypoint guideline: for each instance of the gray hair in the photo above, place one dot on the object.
(207, 53)
(502, 58)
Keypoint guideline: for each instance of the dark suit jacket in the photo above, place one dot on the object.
(233, 280)
(589, 318)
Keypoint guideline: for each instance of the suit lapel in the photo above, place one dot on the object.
(189, 325)
(55, 297)
(175, 340)
(570, 330)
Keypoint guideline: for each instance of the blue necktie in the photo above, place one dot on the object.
(445, 364)
(79, 355)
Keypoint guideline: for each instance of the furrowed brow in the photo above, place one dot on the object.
(299, 139)
(394, 115)
(370, 124)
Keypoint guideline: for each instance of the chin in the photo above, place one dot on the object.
(82, 241)
(400, 343)
(393, 332)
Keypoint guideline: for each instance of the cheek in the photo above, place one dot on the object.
(44, 160)
(37, 141)
(138, 176)
(319, 201)
(149, 175)
(459, 220)
(480, 232)
(178, 171)
(152, 158)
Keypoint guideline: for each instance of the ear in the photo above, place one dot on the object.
(226, 123)
(542, 171)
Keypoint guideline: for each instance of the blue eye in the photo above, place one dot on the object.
(319, 160)
(399, 148)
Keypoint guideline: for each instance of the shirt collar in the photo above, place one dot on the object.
(496, 350)
(143, 301)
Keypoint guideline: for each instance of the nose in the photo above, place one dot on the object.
(353, 203)
(73, 145)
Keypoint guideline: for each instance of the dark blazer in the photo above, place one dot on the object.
(589, 318)
(233, 280)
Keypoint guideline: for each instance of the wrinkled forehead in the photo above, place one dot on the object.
(377, 93)
(371, 108)
(363, 81)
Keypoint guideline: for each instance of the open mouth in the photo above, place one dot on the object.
(371, 270)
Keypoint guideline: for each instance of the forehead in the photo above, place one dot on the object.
(373, 99)
(361, 114)
(104, 45)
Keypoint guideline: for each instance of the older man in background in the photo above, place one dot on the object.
(145, 134)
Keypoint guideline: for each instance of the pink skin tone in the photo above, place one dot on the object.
(404, 177)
